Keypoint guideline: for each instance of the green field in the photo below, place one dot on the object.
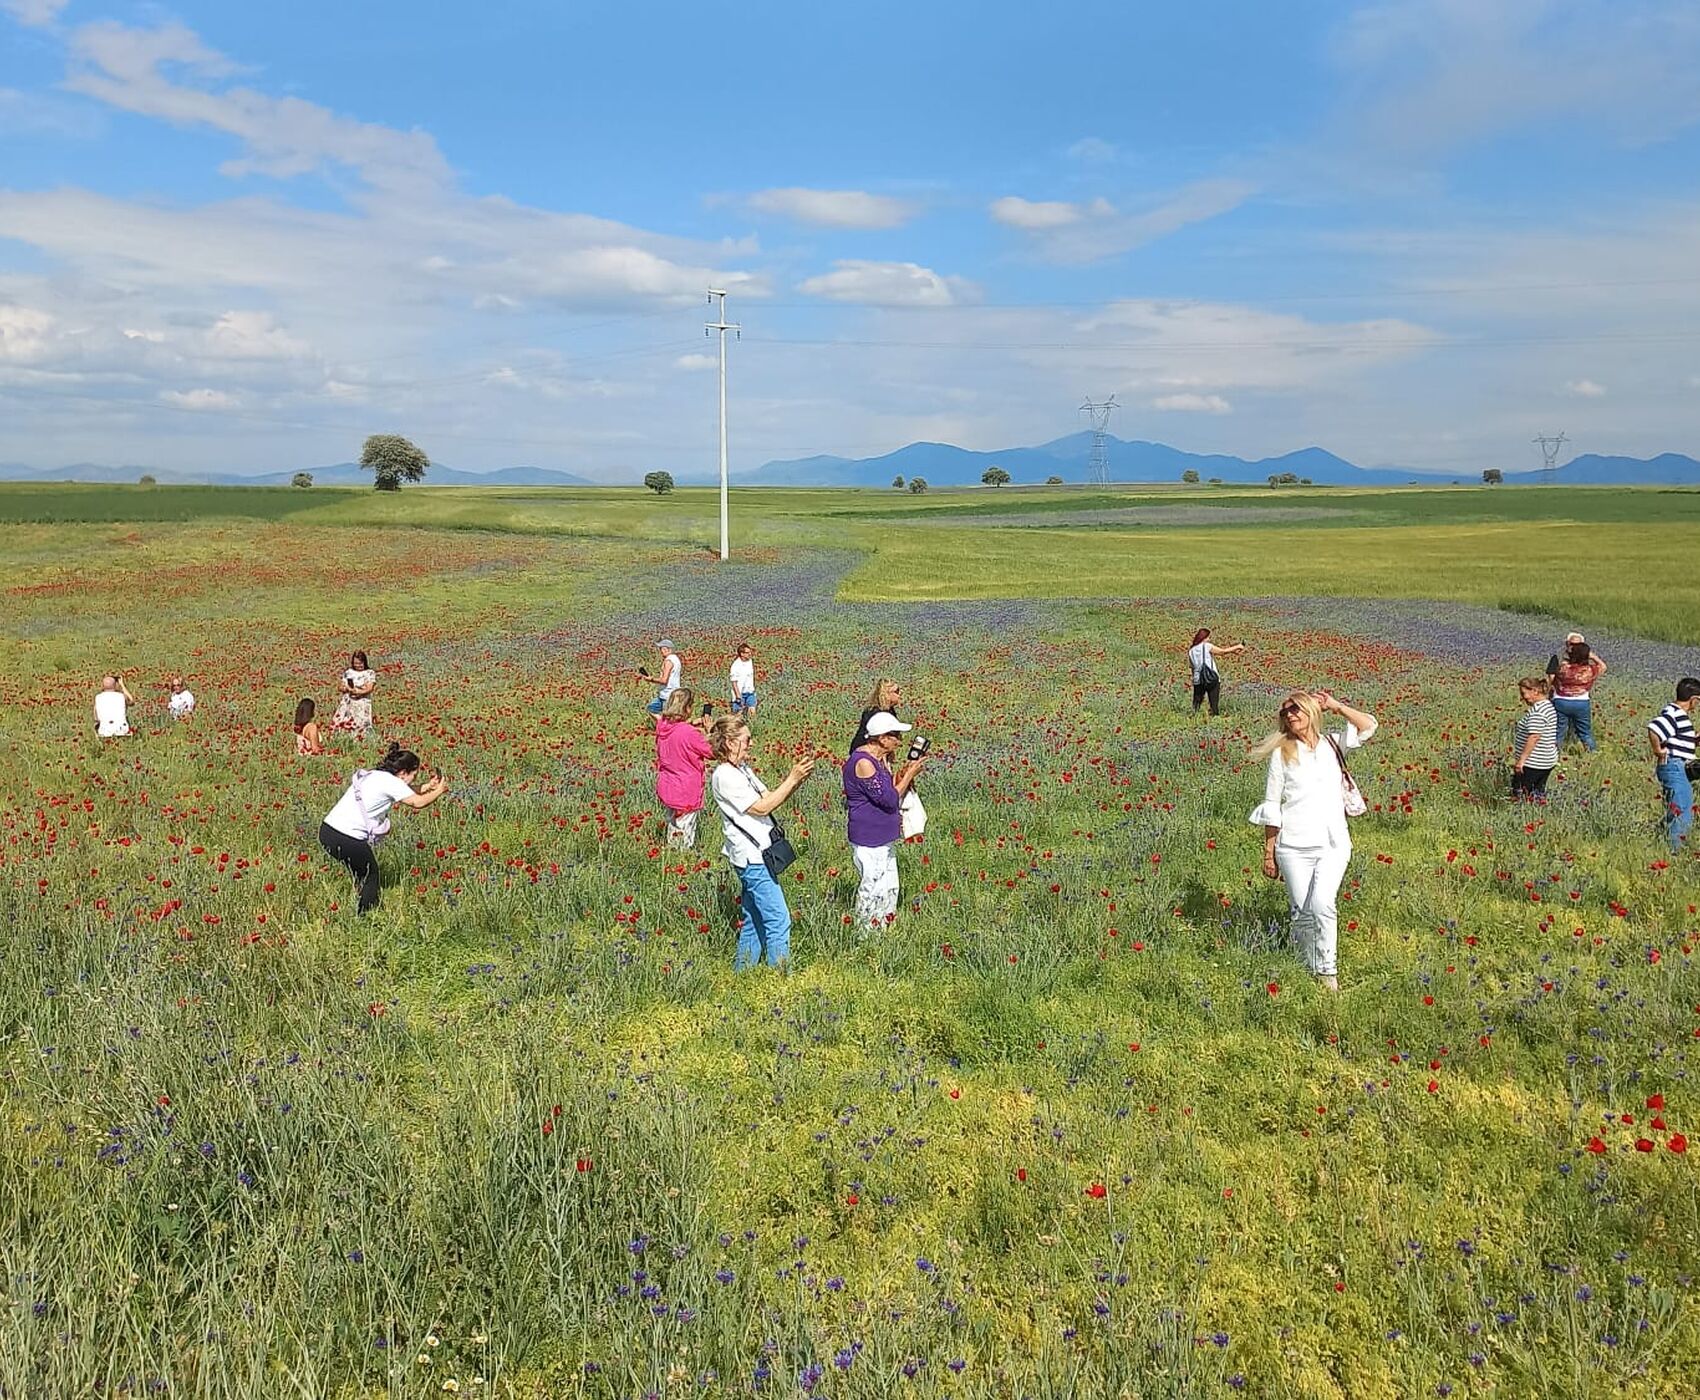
(1077, 1124)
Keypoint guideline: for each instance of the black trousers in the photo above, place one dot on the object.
(1212, 691)
(360, 859)
(1531, 782)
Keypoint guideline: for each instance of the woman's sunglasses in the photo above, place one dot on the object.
(1287, 711)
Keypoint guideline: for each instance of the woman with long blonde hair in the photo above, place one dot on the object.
(1306, 842)
(887, 695)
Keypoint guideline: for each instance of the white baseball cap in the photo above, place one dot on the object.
(665, 644)
(886, 723)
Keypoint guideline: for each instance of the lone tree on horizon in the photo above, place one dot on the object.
(1190, 476)
(301, 479)
(994, 476)
(392, 460)
(917, 486)
(897, 483)
(659, 482)
(1493, 476)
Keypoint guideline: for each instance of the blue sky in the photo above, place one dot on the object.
(1414, 231)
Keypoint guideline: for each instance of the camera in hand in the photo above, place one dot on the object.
(919, 746)
(643, 670)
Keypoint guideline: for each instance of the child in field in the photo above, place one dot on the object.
(112, 707)
(307, 742)
(681, 758)
(182, 702)
(1537, 740)
(361, 817)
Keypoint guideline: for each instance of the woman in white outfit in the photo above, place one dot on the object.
(1306, 843)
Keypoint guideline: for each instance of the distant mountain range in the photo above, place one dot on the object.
(338, 474)
(944, 465)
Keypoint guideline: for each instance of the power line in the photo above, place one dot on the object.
(1098, 461)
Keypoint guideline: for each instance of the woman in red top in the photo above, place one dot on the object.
(681, 753)
(1572, 680)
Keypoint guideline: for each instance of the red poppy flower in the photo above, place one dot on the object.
(1677, 1143)
(1596, 1146)
(1643, 1144)
(1096, 1190)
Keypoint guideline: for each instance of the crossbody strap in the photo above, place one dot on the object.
(1340, 756)
(775, 833)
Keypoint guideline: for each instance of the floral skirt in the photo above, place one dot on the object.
(354, 715)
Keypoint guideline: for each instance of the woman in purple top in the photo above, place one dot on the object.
(873, 799)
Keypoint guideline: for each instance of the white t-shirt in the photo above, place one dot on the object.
(743, 677)
(672, 673)
(1202, 655)
(182, 703)
(734, 790)
(1306, 798)
(363, 812)
(111, 714)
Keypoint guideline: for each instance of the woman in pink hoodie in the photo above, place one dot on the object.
(681, 756)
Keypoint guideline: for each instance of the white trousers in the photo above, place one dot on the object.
(1312, 876)
(876, 900)
(682, 831)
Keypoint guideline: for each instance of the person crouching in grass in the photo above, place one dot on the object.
(746, 807)
(361, 817)
(1536, 741)
(873, 800)
(681, 757)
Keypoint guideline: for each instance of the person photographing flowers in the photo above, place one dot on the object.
(1307, 797)
(873, 800)
(361, 817)
(754, 843)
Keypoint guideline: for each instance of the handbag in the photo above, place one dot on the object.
(1692, 768)
(912, 814)
(1354, 798)
(1207, 672)
(779, 855)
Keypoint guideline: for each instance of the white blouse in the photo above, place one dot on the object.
(1306, 798)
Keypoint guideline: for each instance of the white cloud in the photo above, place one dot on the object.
(1585, 389)
(1432, 74)
(36, 114)
(696, 361)
(201, 400)
(889, 284)
(835, 208)
(1086, 233)
(35, 13)
(1192, 403)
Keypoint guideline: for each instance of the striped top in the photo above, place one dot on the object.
(1675, 730)
(1541, 720)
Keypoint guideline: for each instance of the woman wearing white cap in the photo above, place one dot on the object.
(671, 678)
(873, 799)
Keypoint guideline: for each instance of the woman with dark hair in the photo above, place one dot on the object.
(354, 709)
(306, 726)
(361, 817)
(1572, 686)
(1206, 678)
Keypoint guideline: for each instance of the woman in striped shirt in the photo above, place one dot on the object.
(1671, 735)
(1537, 740)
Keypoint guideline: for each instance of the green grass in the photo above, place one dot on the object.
(254, 1146)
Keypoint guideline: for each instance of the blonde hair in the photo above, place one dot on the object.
(678, 704)
(1282, 739)
(877, 700)
(723, 731)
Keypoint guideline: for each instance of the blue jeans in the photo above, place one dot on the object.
(766, 927)
(1679, 800)
(1575, 712)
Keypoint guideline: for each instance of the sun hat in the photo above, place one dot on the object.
(886, 723)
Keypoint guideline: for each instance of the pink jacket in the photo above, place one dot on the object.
(681, 751)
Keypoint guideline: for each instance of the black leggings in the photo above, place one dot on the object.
(1213, 691)
(1530, 783)
(358, 856)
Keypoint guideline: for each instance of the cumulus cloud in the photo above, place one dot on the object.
(35, 13)
(1585, 389)
(1192, 403)
(889, 284)
(835, 208)
(200, 400)
(1086, 233)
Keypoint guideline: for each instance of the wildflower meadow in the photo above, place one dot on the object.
(1076, 1124)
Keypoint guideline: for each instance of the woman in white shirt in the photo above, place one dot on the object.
(1306, 842)
(112, 708)
(354, 709)
(361, 817)
(182, 702)
(746, 806)
(1206, 676)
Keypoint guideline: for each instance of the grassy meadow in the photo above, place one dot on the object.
(1078, 1124)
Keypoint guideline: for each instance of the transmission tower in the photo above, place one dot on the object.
(1550, 447)
(1098, 462)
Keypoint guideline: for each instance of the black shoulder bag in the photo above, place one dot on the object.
(779, 855)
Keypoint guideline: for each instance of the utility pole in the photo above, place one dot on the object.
(1098, 463)
(1550, 448)
(721, 325)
